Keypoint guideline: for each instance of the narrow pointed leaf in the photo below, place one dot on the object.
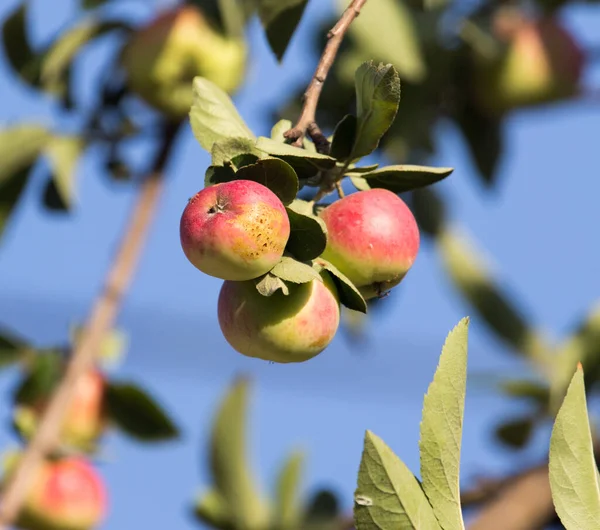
(388, 496)
(441, 429)
(230, 470)
(573, 472)
(288, 509)
(401, 179)
(377, 100)
(213, 116)
(280, 19)
(281, 150)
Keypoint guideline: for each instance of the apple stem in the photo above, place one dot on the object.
(101, 320)
(307, 123)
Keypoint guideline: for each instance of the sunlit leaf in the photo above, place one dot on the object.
(288, 509)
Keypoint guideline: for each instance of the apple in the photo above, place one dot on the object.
(234, 230)
(280, 328)
(162, 58)
(542, 63)
(85, 420)
(66, 494)
(373, 239)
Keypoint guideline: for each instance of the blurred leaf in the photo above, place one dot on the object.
(280, 19)
(287, 514)
(230, 470)
(112, 347)
(269, 284)
(213, 116)
(344, 136)
(527, 388)
(388, 496)
(212, 509)
(308, 233)
(323, 506)
(20, 145)
(395, 40)
(429, 211)
(279, 128)
(41, 377)
(12, 348)
(349, 295)
(441, 429)
(59, 56)
(137, 414)
(93, 4)
(377, 100)
(22, 58)
(291, 270)
(400, 179)
(470, 275)
(516, 432)
(275, 174)
(63, 153)
(235, 14)
(9, 195)
(573, 473)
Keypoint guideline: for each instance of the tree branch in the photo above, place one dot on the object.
(101, 320)
(307, 121)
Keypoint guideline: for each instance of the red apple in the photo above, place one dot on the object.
(280, 328)
(373, 239)
(234, 231)
(66, 494)
(163, 57)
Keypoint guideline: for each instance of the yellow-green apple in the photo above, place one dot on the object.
(372, 238)
(85, 419)
(234, 230)
(65, 494)
(281, 328)
(162, 58)
(541, 63)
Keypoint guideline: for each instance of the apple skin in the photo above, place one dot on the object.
(235, 230)
(162, 58)
(542, 64)
(67, 494)
(373, 239)
(280, 328)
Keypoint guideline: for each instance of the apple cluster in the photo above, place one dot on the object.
(239, 231)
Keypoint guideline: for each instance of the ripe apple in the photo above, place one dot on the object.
(66, 494)
(162, 58)
(235, 230)
(373, 239)
(542, 63)
(281, 328)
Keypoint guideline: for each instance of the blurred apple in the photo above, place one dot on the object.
(541, 63)
(162, 59)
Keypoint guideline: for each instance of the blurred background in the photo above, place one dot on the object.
(533, 218)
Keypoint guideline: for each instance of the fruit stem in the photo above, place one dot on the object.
(307, 122)
(339, 189)
(101, 320)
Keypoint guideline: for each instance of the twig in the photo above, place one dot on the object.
(101, 320)
(307, 121)
(340, 190)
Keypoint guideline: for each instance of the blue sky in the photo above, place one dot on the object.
(538, 229)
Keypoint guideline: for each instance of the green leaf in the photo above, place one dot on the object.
(212, 509)
(388, 496)
(63, 153)
(349, 295)
(20, 146)
(441, 429)
(308, 233)
(573, 472)
(395, 40)
(306, 163)
(231, 474)
(22, 58)
(12, 348)
(213, 116)
(429, 211)
(536, 391)
(377, 100)
(137, 414)
(360, 183)
(41, 378)
(111, 349)
(234, 151)
(516, 432)
(291, 270)
(356, 171)
(275, 174)
(234, 17)
(400, 179)
(279, 128)
(279, 18)
(344, 137)
(287, 514)
(269, 284)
